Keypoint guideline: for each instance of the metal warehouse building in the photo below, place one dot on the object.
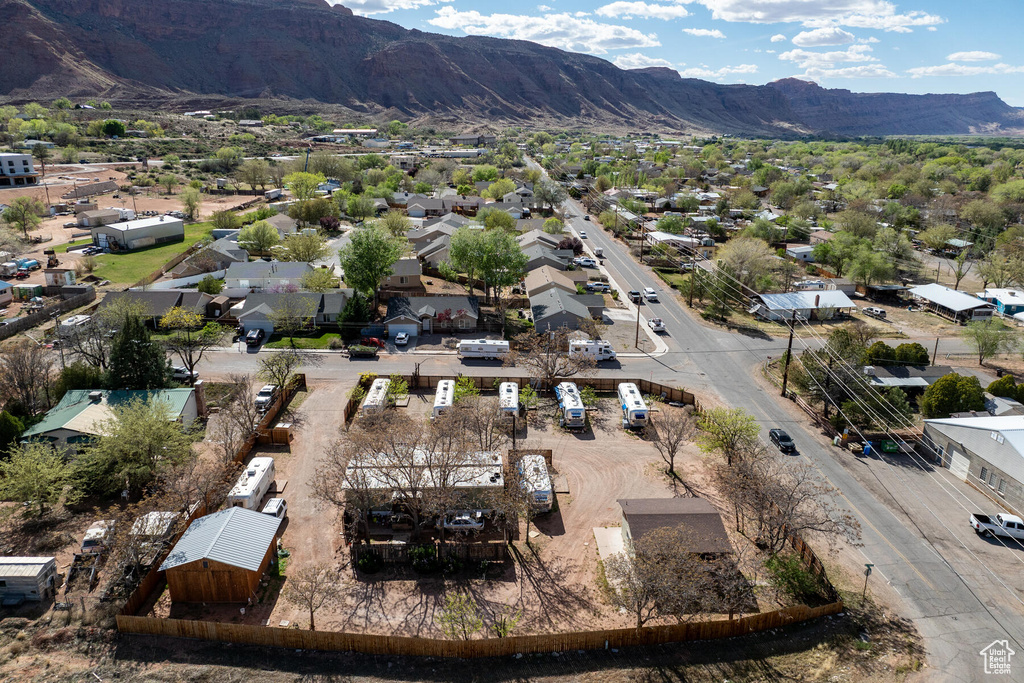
(138, 234)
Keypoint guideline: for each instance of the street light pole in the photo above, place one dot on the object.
(637, 342)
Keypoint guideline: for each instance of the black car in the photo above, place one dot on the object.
(782, 440)
(634, 296)
(254, 336)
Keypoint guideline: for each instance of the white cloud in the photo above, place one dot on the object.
(876, 14)
(367, 7)
(823, 36)
(862, 71)
(806, 59)
(637, 8)
(973, 56)
(964, 70)
(869, 39)
(704, 32)
(544, 8)
(563, 30)
(718, 74)
(637, 60)
(778, 38)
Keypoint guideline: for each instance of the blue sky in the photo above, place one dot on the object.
(914, 46)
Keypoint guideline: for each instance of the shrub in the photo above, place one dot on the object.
(369, 563)
(788, 574)
(424, 558)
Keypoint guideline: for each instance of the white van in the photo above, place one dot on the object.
(444, 397)
(570, 403)
(490, 349)
(377, 397)
(253, 484)
(276, 507)
(634, 409)
(537, 482)
(508, 398)
(598, 350)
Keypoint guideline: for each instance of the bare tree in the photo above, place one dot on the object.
(27, 369)
(279, 368)
(546, 356)
(632, 590)
(92, 341)
(356, 489)
(311, 587)
(237, 419)
(197, 483)
(673, 428)
(479, 419)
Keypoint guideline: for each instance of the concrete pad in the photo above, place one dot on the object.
(609, 541)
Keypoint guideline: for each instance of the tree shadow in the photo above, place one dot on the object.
(556, 598)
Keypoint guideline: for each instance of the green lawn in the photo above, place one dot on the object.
(321, 341)
(63, 249)
(131, 267)
(676, 280)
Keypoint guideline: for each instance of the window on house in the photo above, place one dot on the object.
(1002, 487)
(206, 565)
(992, 479)
(403, 280)
(984, 474)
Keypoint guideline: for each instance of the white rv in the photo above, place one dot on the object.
(537, 482)
(377, 397)
(253, 484)
(483, 348)
(444, 397)
(634, 409)
(574, 415)
(508, 398)
(598, 350)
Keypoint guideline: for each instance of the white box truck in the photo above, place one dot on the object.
(634, 409)
(508, 399)
(444, 397)
(598, 350)
(490, 349)
(570, 403)
(272, 194)
(537, 482)
(253, 484)
(377, 397)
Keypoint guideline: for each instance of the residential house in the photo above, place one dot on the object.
(401, 200)
(802, 253)
(95, 217)
(807, 305)
(514, 209)
(427, 206)
(59, 277)
(465, 204)
(906, 377)
(156, 303)
(554, 308)
(544, 278)
(705, 531)
(221, 557)
(258, 311)
(285, 224)
(949, 303)
(537, 256)
(17, 170)
(218, 255)
(473, 139)
(6, 293)
(431, 314)
(405, 274)
(545, 239)
(819, 236)
(1007, 301)
(266, 275)
(433, 254)
(79, 416)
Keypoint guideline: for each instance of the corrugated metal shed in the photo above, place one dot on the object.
(948, 298)
(235, 537)
(11, 567)
(829, 298)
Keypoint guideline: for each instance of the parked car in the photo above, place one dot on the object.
(586, 218)
(657, 324)
(372, 341)
(1010, 526)
(585, 262)
(463, 521)
(634, 296)
(98, 537)
(181, 374)
(782, 440)
(401, 339)
(265, 396)
(650, 294)
(254, 337)
(276, 507)
(598, 287)
(583, 234)
(21, 275)
(875, 312)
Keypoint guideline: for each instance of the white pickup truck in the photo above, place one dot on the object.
(1001, 524)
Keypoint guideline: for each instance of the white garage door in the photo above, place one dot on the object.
(395, 330)
(959, 465)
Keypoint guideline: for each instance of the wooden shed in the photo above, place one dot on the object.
(221, 557)
(26, 578)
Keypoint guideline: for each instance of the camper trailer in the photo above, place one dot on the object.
(508, 398)
(598, 350)
(27, 578)
(574, 415)
(377, 397)
(537, 482)
(482, 348)
(272, 194)
(444, 397)
(634, 409)
(253, 484)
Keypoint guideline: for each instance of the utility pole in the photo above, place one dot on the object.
(936, 351)
(789, 352)
(693, 277)
(637, 342)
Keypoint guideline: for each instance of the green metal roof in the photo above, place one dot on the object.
(77, 401)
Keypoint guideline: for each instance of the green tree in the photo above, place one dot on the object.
(987, 339)
(42, 154)
(190, 337)
(136, 362)
(869, 267)
(258, 238)
(395, 222)
(24, 213)
(112, 128)
(138, 443)
(303, 185)
(464, 387)
(62, 103)
(359, 207)
(191, 200)
(169, 181)
(254, 172)
(36, 473)
(368, 258)
(952, 393)
(77, 375)
(496, 218)
(912, 354)
(554, 226)
(210, 285)
(937, 237)
(319, 280)
(549, 194)
(459, 618)
(499, 189)
(728, 431)
(305, 247)
(1006, 387)
(293, 314)
(354, 315)
(11, 428)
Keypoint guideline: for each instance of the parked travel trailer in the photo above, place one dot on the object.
(72, 324)
(253, 484)
(444, 397)
(537, 482)
(634, 409)
(377, 397)
(27, 578)
(598, 350)
(272, 194)
(482, 348)
(574, 415)
(508, 398)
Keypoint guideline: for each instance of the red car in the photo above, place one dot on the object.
(21, 275)
(373, 341)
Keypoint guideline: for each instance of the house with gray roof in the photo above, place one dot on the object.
(405, 275)
(266, 275)
(538, 255)
(431, 314)
(949, 303)
(436, 252)
(426, 206)
(258, 311)
(285, 224)
(821, 305)
(706, 532)
(554, 308)
(156, 303)
(221, 557)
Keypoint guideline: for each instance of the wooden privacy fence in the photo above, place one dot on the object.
(492, 647)
(29, 321)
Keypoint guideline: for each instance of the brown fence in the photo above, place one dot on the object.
(157, 274)
(27, 322)
(492, 647)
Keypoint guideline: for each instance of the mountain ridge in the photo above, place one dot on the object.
(306, 51)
